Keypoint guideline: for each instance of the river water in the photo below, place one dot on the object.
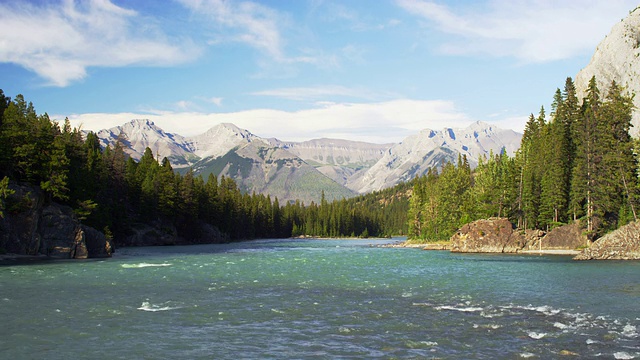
(323, 299)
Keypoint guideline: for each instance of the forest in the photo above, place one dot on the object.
(111, 192)
(579, 164)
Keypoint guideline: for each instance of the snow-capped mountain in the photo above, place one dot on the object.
(617, 57)
(417, 153)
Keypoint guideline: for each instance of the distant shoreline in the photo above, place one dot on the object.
(447, 246)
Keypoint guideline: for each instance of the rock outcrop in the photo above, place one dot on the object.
(31, 227)
(621, 244)
(498, 235)
(494, 235)
(566, 237)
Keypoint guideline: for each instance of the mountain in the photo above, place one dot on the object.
(220, 139)
(258, 166)
(417, 153)
(138, 134)
(303, 170)
(617, 58)
(337, 159)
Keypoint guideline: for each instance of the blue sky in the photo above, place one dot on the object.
(369, 70)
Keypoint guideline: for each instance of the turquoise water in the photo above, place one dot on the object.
(323, 299)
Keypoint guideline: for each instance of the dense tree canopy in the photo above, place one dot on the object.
(578, 165)
(111, 192)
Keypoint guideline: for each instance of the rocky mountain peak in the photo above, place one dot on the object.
(617, 58)
(429, 148)
(138, 134)
(219, 139)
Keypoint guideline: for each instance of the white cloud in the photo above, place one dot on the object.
(381, 122)
(531, 31)
(59, 41)
(253, 24)
(262, 28)
(320, 93)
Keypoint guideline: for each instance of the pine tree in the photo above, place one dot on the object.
(529, 169)
(54, 182)
(618, 157)
(584, 172)
(553, 184)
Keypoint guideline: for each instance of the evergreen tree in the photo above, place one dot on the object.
(584, 172)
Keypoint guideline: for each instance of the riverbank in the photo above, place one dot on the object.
(10, 257)
(423, 246)
(551, 252)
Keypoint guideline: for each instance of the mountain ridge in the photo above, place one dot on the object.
(284, 168)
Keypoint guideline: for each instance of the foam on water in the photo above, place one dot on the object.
(143, 265)
(147, 306)
(629, 331)
(459, 308)
(536, 335)
(623, 355)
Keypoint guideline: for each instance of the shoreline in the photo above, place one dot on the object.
(447, 246)
(19, 257)
(550, 252)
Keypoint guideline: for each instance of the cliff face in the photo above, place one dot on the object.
(31, 227)
(617, 57)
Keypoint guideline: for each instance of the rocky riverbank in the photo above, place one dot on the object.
(499, 235)
(621, 244)
(33, 227)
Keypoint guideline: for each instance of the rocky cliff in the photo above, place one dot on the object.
(32, 227)
(617, 57)
(621, 244)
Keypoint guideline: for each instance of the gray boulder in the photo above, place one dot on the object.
(621, 244)
(493, 235)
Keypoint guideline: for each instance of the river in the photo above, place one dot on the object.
(318, 299)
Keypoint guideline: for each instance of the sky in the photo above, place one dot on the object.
(365, 70)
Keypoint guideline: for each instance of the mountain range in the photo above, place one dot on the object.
(305, 170)
(342, 168)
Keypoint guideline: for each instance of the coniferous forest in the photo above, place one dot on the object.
(578, 164)
(112, 193)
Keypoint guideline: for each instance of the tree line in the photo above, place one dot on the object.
(112, 192)
(580, 164)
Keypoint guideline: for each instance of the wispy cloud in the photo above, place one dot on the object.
(60, 40)
(247, 22)
(530, 31)
(322, 93)
(382, 122)
(215, 100)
